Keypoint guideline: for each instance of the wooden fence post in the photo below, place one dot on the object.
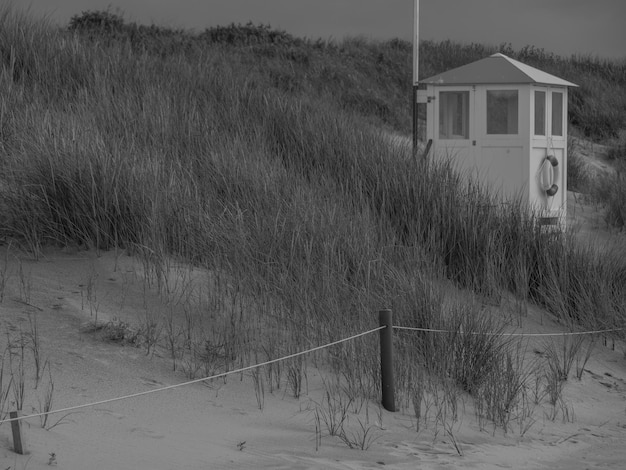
(18, 440)
(386, 360)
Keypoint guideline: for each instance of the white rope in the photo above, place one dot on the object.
(169, 387)
(431, 330)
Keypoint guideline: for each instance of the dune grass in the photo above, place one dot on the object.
(266, 167)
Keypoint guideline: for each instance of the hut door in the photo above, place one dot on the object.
(547, 160)
(452, 115)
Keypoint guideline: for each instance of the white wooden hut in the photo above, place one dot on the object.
(506, 123)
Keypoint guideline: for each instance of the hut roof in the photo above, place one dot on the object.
(493, 70)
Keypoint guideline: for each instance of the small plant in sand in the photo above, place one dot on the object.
(296, 375)
(173, 335)
(17, 367)
(192, 361)
(6, 381)
(417, 398)
(89, 293)
(560, 406)
(359, 437)
(14, 386)
(332, 412)
(558, 364)
(332, 416)
(114, 331)
(35, 346)
(561, 359)
(274, 370)
(45, 404)
(150, 331)
(259, 387)
(503, 396)
(4, 272)
(582, 359)
(25, 284)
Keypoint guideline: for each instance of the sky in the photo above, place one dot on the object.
(588, 27)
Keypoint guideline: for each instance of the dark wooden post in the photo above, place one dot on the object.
(18, 440)
(386, 360)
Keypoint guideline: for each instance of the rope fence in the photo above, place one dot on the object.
(385, 329)
(204, 379)
(569, 333)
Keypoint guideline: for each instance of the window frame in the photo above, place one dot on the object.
(502, 90)
(466, 115)
(544, 116)
(561, 114)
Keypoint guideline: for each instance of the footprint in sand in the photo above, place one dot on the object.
(110, 413)
(240, 411)
(151, 382)
(147, 433)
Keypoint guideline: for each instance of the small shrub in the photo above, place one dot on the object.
(617, 151)
(616, 201)
(474, 349)
(248, 35)
(100, 21)
(114, 331)
(610, 190)
(501, 397)
(578, 178)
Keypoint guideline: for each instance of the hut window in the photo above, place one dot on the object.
(557, 113)
(454, 115)
(540, 113)
(502, 106)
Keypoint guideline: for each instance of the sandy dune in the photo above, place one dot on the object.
(219, 424)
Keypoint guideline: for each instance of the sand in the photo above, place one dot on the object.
(219, 425)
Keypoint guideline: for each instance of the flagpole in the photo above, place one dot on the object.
(416, 15)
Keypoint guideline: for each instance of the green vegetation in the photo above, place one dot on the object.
(373, 78)
(611, 191)
(260, 158)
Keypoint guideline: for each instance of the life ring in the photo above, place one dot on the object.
(549, 175)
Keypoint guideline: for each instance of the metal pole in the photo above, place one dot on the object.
(386, 360)
(416, 24)
(416, 36)
(415, 121)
